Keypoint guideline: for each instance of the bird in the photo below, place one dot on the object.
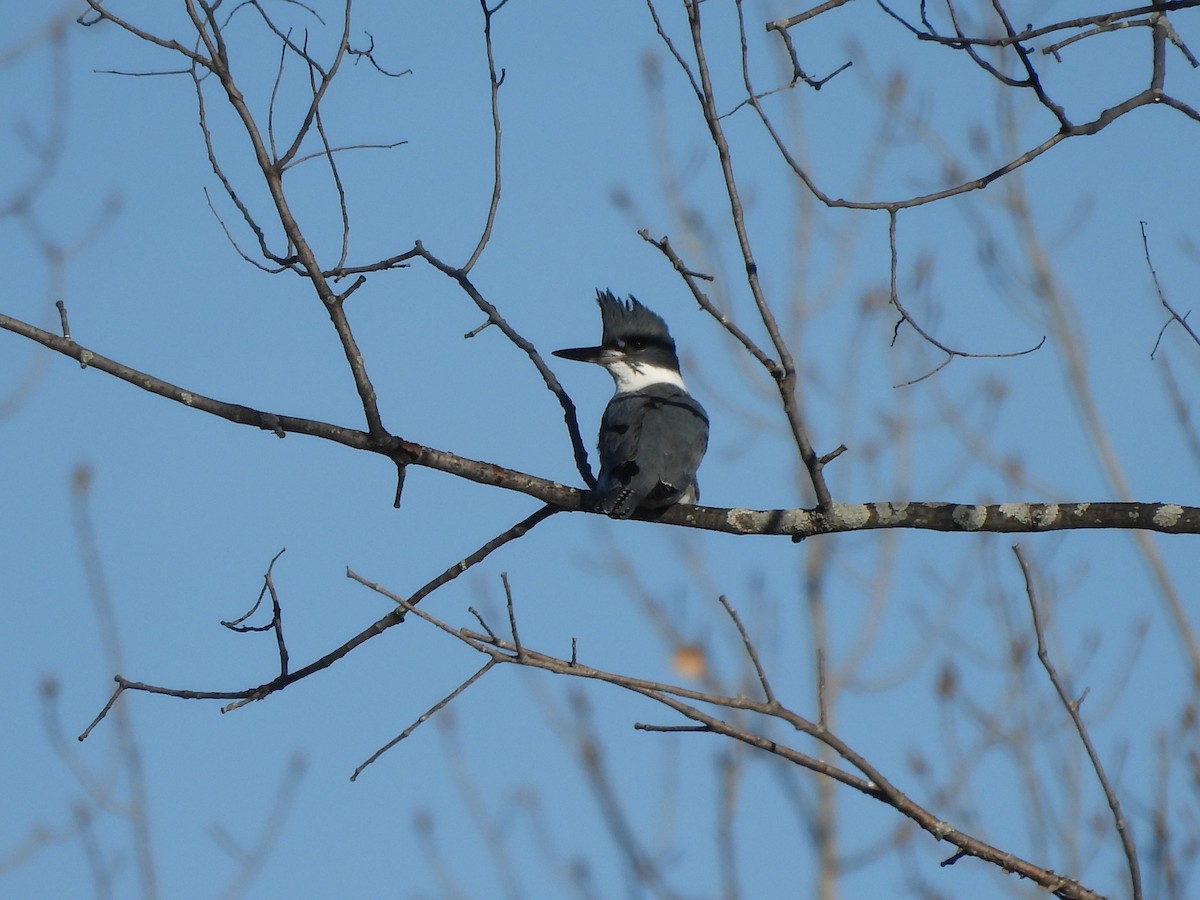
(653, 433)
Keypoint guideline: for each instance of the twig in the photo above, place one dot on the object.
(325, 152)
(751, 652)
(512, 616)
(670, 729)
(1072, 708)
(62, 317)
(519, 530)
(477, 330)
(570, 416)
(483, 624)
(782, 25)
(1159, 20)
(822, 690)
(276, 623)
(423, 718)
(906, 316)
(494, 81)
(369, 56)
(283, 261)
(1053, 49)
(401, 475)
(243, 697)
(262, 267)
(1162, 298)
(690, 276)
(103, 711)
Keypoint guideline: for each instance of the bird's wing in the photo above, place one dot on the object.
(651, 444)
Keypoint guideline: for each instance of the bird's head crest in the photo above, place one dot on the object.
(624, 320)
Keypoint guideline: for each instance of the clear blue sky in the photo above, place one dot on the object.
(189, 509)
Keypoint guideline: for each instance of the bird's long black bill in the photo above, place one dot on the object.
(583, 354)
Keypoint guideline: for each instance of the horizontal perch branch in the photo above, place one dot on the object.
(1010, 518)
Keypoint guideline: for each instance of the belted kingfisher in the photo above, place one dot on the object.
(653, 433)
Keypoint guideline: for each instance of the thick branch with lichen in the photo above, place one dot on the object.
(1170, 518)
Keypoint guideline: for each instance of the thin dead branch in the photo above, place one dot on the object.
(1071, 705)
(1162, 298)
(906, 316)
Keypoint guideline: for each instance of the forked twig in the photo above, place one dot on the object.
(276, 623)
(1162, 298)
(906, 316)
(395, 617)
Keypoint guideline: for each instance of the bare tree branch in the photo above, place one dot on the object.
(870, 782)
(799, 523)
(784, 373)
(249, 695)
(1072, 705)
(1154, 93)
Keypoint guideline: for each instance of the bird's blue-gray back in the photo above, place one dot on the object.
(667, 422)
